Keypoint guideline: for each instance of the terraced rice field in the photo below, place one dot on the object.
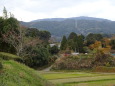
(80, 78)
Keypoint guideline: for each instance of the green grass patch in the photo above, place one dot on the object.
(62, 75)
(16, 74)
(80, 78)
(105, 82)
(83, 79)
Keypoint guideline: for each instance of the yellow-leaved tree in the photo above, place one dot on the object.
(101, 49)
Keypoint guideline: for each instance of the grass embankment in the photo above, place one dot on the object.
(16, 74)
(80, 78)
(8, 56)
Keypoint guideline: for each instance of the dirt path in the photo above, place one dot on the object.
(47, 69)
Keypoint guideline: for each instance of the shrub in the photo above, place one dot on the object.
(107, 64)
(72, 63)
(54, 50)
(102, 59)
(52, 59)
(39, 56)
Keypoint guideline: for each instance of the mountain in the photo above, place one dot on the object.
(75, 18)
(81, 25)
(49, 19)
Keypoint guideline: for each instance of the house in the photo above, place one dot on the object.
(58, 45)
(75, 53)
(51, 45)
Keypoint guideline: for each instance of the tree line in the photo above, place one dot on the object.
(31, 44)
(81, 43)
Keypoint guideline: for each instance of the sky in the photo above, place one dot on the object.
(28, 10)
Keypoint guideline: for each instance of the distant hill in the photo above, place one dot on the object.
(81, 25)
(75, 18)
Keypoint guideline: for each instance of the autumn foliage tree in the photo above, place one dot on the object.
(104, 46)
(99, 51)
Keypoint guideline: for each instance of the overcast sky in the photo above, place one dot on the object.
(28, 10)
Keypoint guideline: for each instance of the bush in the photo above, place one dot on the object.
(102, 59)
(53, 58)
(72, 63)
(54, 50)
(107, 64)
(39, 56)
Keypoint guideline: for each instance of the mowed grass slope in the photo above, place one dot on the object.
(16, 74)
(80, 78)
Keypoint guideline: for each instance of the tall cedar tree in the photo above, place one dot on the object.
(72, 41)
(63, 43)
(5, 15)
(80, 42)
(72, 35)
(76, 43)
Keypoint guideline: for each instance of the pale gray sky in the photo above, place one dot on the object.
(27, 10)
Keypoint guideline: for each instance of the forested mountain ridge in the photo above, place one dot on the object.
(81, 25)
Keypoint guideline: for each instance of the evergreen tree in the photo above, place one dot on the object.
(63, 43)
(80, 42)
(72, 35)
(72, 41)
(76, 46)
(76, 43)
(5, 15)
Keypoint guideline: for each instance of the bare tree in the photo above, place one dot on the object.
(19, 41)
(15, 38)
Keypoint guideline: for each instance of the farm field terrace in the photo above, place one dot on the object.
(80, 78)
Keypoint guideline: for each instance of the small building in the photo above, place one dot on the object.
(51, 45)
(75, 53)
(58, 45)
